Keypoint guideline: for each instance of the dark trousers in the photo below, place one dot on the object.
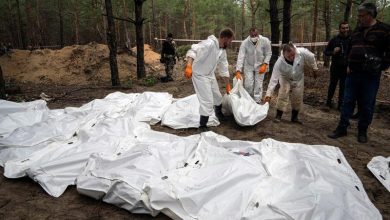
(336, 74)
(360, 87)
(169, 64)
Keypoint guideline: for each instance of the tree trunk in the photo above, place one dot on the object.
(76, 22)
(154, 26)
(275, 32)
(327, 16)
(254, 6)
(112, 45)
(243, 33)
(140, 39)
(39, 26)
(11, 24)
(315, 20)
(104, 22)
(185, 15)
(302, 35)
(286, 21)
(193, 26)
(21, 27)
(2, 85)
(61, 24)
(347, 12)
(127, 37)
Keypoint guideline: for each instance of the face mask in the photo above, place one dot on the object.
(254, 39)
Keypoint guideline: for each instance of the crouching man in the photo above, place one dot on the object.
(289, 72)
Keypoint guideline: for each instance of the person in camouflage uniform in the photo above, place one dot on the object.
(168, 57)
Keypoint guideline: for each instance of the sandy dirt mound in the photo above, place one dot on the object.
(73, 65)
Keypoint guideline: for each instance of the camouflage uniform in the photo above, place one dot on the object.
(168, 54)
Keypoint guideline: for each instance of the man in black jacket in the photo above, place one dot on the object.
(337, 48)
(168, 57)
(369, 55)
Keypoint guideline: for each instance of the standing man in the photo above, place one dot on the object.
(168, 57)
(254, 56)
(337, 48)
(289, 71)
(202, 60)
(368, 56)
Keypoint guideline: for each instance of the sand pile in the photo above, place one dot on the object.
(76, 64)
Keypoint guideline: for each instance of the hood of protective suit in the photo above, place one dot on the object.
(207, 57)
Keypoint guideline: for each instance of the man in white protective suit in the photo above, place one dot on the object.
(202, 60)
(254, 56)
(289, 71)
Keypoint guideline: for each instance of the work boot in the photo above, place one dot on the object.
(294, 117)
(339, 132)
(278, 117)
(362, 137)
(218, 112)
(203, 124)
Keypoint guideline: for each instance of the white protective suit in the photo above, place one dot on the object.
(250, 57)
(207, 56)
(291, 77)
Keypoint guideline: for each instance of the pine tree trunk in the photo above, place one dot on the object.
(243, 33)
(21, 27)
(154, 24)
(140, 39)
(347, 12)
(76, 22)
(185, 15)
(112, 45)
(286, 21)
(302, 35)
(253, 13)
(11, 24)
(315, 20)
(2, 85)
(125, 15)
(61, 32)
(275, 32)
(327, 16)
(193, 26)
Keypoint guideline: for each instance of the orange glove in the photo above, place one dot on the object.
(267, 99)
(238, 75)
(228, 88)
(188, 71)
(263, 68)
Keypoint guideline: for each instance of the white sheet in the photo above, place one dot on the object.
(245, 110)
(221, 179)
(108, 146)
(380, 167)
(184, 113)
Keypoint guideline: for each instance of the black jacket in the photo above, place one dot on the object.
(340, 59)
(374, 40)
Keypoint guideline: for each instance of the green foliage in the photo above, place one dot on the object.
(182, 50)
(149, 81)
(128, 82)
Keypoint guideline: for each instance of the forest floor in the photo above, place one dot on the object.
(78, 74)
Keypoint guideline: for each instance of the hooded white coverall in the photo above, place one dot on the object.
(291, 77)
(251, 57)
(207, 56)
